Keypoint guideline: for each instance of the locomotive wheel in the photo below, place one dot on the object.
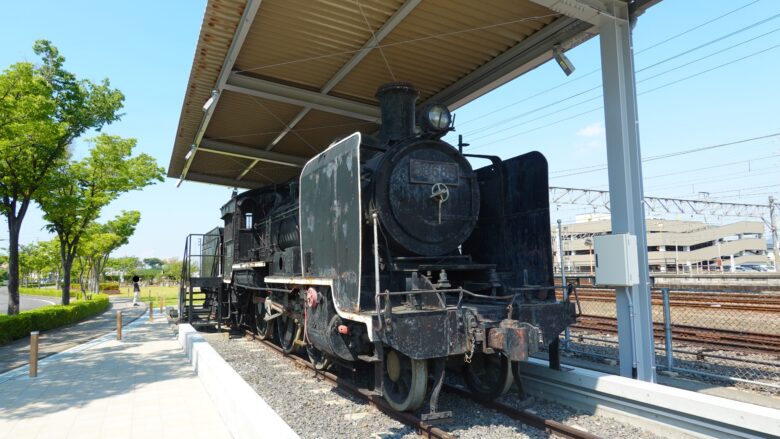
(264, 329)
(318, 359)
(488, 376)
(405, 381)
(286, 328)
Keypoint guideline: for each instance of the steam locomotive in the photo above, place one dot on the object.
(392, 250)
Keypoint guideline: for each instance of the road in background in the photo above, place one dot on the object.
(26, 302)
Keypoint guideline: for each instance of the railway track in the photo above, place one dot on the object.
(423, 428)
(722, 338)
(769, 303)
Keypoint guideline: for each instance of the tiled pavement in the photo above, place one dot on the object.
(16, 354)
(139, 387)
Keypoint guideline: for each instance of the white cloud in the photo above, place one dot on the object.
(592, 130)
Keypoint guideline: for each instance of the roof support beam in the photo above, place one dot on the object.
(590, 11)
(624, 167)
(222, 181)
(522, 57)
(250, 11)
(300, 97)
(372, 43)
(242, 151)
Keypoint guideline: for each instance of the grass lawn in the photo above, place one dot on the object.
(169, 294)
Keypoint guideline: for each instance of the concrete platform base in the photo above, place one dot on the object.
(243, 410)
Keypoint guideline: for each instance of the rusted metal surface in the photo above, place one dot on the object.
(330, 214)
(744, 341)
(425, 334)
(762, 302)
(511, 338)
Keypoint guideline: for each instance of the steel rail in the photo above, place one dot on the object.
(427, 430)
(526, 417)
(422, 427)
(753, 342)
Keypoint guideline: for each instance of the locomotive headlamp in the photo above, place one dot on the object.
(436, 117)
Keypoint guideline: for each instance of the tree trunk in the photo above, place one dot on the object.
(67, 263)
(66, 282)
(13, 264)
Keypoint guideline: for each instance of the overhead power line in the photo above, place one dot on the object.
(678, 153)
(673, 37)
(533, 111)
(585, 75)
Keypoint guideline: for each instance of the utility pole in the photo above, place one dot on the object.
(773, 227)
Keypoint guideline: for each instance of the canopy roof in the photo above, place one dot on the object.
(274, 82)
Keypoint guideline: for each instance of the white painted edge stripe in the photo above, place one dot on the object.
(243, 411)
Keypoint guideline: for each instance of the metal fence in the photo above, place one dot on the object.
(711, 336)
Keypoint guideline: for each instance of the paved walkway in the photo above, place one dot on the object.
(140, 387)
(17, 353)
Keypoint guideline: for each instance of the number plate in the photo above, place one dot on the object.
(422, 171)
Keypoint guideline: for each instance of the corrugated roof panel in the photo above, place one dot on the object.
(317, 130)
(433, 44)
(249, 120)
(220, 21)
(218, 164)
(438, 44)
(324, 36)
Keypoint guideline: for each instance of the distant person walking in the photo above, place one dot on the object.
(136, 290)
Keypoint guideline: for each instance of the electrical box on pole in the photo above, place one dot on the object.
(616, 260)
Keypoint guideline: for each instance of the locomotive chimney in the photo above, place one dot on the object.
(396, 102)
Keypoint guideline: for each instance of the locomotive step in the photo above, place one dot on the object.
(368, 358)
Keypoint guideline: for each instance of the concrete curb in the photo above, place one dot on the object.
(244, 412)
(674, 412)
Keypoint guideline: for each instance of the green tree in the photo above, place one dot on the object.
(102, 239)
(43, 109)
(154, 263)
(81, 189)
(126, 265)
(51, 252)
(37, 261)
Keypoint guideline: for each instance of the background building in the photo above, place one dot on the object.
(672, 246)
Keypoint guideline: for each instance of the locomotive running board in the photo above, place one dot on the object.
(293, 280)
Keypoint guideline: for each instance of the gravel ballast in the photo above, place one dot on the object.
(316, 409)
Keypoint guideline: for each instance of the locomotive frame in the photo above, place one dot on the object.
(346, 279)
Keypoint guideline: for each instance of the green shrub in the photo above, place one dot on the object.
(109, 286)
(49, 317)
(14, 327)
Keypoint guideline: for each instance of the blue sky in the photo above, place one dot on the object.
(146, 49)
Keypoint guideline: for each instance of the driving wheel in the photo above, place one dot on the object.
(405, 381)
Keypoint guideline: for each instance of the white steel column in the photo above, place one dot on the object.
(635, 326)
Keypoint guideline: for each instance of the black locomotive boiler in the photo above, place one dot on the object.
(392, 250)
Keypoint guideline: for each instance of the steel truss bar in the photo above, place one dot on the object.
(274, 91)
(222, 181)
(522, 57)
(657, 205)
(232, 149)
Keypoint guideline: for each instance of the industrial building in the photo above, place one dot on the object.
(672, 246)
